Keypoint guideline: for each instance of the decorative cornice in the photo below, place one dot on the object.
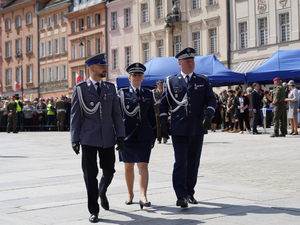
(261, 6)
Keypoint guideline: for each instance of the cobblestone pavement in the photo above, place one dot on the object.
(243, 179)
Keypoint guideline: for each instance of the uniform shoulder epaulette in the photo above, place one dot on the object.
(124, 88)
(109, 83)
(202, 76)
(147, 89)
(80, 83)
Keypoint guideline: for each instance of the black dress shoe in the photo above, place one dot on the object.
(192, 200)
(256, 132)
(182, 202)
(146, 204)
(93, 218)
(104, 203)
(128, 202)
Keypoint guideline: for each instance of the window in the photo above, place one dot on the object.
(56, 73)
(144, 13)
(56, 46)
(73, 26)
(74, 78)
(89, 45)
(64, 19)
(82, 75)
(284, 21)
(128, 56)
(63, 72)
(29, 74)
(243, 35)
(159, 9)
(196, 42)
(113, 20)
(18, 47)
(19, 75)
(146, 52)
(43, 50)
(29, 44)
(212, 2)
(42, 23)
(89, 24)
(160, 48)
(49, 47)
(263, 31)
(43, 75)
(177, 44)
(28, 19)
(97, 18)
(63, 44)
(49, 21)
(74, 53)
(98, 46)
(195, 4)
(18, 21)
(56, 19)
(82, 53)
(8, 77)
(7, 24)
(81, 24)
(115, 59)
(49, 74)
(8, 49)
(127, 17)
(213, 40)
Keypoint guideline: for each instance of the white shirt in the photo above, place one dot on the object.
(184, 76)
(94, 83)
(134, 89)
(241, 103)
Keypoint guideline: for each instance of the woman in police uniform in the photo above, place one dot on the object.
(137, 105)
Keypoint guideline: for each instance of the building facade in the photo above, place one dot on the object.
(260, 28)
(164, 27)
(86, 38)
(1, 84)
(119, 37)
(53, 49)
(20, 54)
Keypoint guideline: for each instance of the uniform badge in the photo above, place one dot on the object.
(196, 88)
(127, 106)
(92, 103)
(188, 50)
(176, 95)
(194, 76)
(179, 77)
(137, 65)
(104, 98)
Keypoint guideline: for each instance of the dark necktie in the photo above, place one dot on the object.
(187, 79)
(137, 92)
(98, 88)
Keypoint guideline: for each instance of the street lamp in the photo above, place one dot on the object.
(170, 20)
(83, 44)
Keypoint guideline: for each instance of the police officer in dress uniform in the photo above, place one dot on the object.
(278, 103)
(96, 121)
(157, 93)
(137, 105)
(187, 94)
(12, 115)
(60, 106)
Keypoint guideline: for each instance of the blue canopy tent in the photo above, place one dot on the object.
(161, 67)
(284, 64)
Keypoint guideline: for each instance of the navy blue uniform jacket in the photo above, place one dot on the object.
(200, 98)
(136, 129)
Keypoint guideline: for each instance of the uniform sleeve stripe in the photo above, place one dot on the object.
(210, 107)
(163, 114)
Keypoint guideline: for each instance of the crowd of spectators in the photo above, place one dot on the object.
(234, 112)
(36, 115)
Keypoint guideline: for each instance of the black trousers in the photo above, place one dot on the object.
(90, 171)
(255, 120)
(187, 151)
(244, 117)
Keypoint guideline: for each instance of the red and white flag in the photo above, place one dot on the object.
(78, 78)
(16, 86)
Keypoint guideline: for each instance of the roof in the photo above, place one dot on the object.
(53, 2)
(246, 66)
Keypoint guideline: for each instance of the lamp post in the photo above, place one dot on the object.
(19, 57)
(170, 20)
(83, 44)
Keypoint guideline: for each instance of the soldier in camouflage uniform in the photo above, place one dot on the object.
(157, 93)
(12, 115)
(60, 113)
(278, 102)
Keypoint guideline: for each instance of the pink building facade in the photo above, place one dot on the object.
(120, 37)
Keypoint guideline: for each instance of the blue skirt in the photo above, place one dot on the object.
(136, 151)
